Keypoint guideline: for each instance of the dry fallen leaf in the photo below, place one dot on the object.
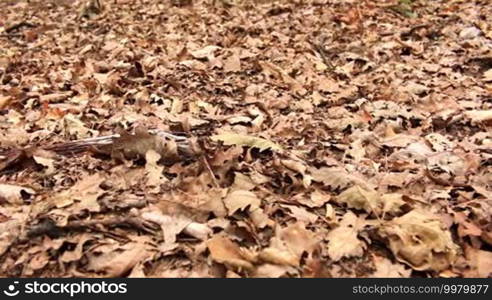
(335, 178)
(387, 269)
(343, 240)
(419, 239)
(206, 52)
(240, 199)
(232, 64)
(246, 140)
(480, 262)
(360, 198)
(84, 193)
(224, 251)
(289, 244)
(120, 259)
(354, 143)
(153, 170)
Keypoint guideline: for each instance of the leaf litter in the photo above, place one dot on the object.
(261, 138)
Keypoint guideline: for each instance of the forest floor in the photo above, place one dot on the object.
(301, 138)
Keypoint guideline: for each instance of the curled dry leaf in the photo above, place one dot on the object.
(420, 240)
(205, 52)
(243, 182)
(360, 198)
(273, 271)
(316, 199)
(301, 214)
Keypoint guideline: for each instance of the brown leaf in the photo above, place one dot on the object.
(224, 251)
(289, 244)
(120, 259)
(232, 63)
(480, 262)
(343, 241)
(240, 199)
(387, 269)
(84, 192)
(153, 170)
(336, 178)
(419, 239)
